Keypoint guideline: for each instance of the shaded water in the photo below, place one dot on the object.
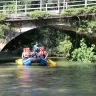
(66, 79)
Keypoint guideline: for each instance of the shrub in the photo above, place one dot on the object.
(64, 47)
(84, 53)
(78, 11)
(2, 17)
(39, 14)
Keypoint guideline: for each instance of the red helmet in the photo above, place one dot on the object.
(42, 48)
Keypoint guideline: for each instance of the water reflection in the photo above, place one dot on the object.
(33, 78)
(24, 76)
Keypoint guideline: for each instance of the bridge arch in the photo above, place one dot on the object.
(19, 40)
(25, 25)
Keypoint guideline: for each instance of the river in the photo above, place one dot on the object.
(66, 79)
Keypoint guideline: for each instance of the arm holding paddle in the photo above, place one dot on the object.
(44, 54)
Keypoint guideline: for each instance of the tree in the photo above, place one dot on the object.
(64, 47)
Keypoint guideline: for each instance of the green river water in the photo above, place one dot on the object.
(66, 79)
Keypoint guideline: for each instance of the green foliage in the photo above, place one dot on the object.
(84, 53)
(3, 28)
(92, 25)
(10, 8)
(90, 10)
(2, 17)
(72, 12)
(49, 37)
(78, 11)
(84, 25)
(39, 14)
(64, 47)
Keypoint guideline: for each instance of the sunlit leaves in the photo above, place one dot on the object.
(10, 8)
(79, 11)
(84, 53)
(2, 17)
(39, 14)
(3, 28)
(64, 47)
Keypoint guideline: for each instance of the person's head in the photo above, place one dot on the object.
(36, 43)
(42, 49)
(28, 49)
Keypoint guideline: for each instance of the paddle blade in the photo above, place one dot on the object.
(51, 63)
(19, 61)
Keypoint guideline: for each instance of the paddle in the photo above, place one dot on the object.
(19, 61)
(51, 63)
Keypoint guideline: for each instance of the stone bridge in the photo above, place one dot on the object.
(24, 24)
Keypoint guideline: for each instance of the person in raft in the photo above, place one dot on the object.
(35, 50)
(43, 53)
(35, 46)
(26, 53)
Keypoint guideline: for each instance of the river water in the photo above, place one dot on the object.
(66, 79)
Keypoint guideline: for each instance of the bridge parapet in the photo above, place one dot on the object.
(18, 6)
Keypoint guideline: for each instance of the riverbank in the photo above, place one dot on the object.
(7, 57)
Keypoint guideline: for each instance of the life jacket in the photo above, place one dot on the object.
(42, 54)
(27, 52)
